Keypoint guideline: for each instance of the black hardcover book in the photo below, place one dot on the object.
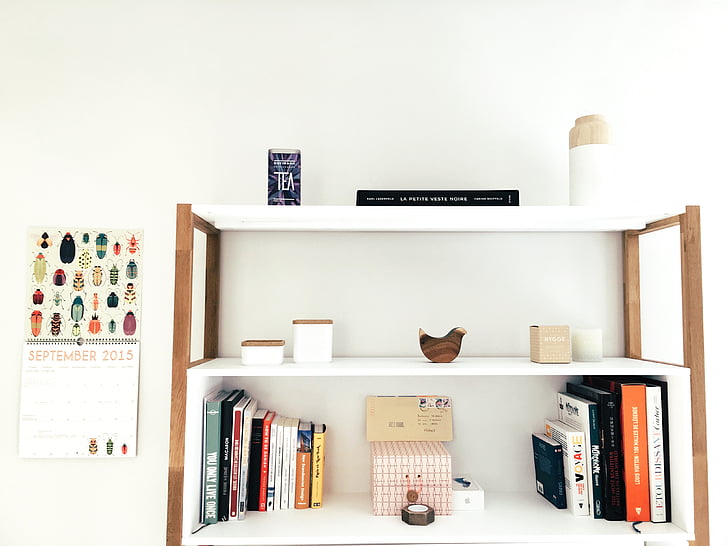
(256, 453)
(226, 443)
(548, 462)
(611, 447)
(467, 198)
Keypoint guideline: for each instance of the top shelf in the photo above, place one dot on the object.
(427, 218)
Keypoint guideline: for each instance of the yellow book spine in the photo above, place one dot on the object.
(317, 466)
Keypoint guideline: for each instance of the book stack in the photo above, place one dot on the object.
(257, 459)
(613, 433)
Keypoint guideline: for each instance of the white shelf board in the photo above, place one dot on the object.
(398, 219)
(508, 517)
(419, 366)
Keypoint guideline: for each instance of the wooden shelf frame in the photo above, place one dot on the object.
(692, 310)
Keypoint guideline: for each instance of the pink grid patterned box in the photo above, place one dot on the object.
(397, 467)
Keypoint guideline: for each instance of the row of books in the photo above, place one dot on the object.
(607, 452)
(256, 459)
(468, 198)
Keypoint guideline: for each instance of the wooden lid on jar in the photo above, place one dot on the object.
(313, 321)
(263, 343)
(592, 129)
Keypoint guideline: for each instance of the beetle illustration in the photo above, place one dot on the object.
(56, 324)
(112, 300)
(114, 274)
(94, 325)
(77, 309)
(44, 241)
(84, 259)
(76, 329)
(101, 242)
(59, 277)
(112, 326)
(97, 275)
(124, 449)
(39, 268)
(109, 447)
(93, 446)
(132, 270)
(57, 298)
(95, 301)
(130, 293)
(36, 320)
(130, 324)
(78, 280)
(38, 297)
(132, 244)
(116, 248)
(85, 238)
(68, 248)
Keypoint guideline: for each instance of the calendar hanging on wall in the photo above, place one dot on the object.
(80, 374)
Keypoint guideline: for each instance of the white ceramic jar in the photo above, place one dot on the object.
(262, 352)
(313, 340)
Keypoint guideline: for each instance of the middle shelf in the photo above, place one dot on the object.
(418, 366)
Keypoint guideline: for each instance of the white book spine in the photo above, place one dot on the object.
(656, 454)
(574, 412)
(279, 462)
(286, 463)
(576, 464)
(292, 458)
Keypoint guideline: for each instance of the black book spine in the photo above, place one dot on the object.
(256, 451)
(610, 437)
(462, 198)
(226, 442)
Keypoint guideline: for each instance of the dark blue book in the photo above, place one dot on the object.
(548, 461)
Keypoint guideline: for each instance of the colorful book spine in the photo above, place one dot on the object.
(211, 476)
(264, 462)
(634, 441)
(548, 459)
(226, 452)
(582, 414)
(303, 465)
(318, 459)
(576, 465)
(437, 197)
(248, 413)
(237, 452)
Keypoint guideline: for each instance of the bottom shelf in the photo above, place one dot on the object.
(507, 518)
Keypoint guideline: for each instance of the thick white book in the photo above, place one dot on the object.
(292, 462)
(576, 464)
(277, 493)
(583, 415)
(285, 463)
(656, 454)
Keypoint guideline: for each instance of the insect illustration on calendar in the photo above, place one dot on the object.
(59, 277)
(93, 446)
(68, 248)
(97, 275)
(94, 325)
(36, 321)
(56, 324)
(84, 259)
(109, 446)
(133, 244)
(116, 248)
(38, 297)
(114, 274)
(39, 268)
(132, 270)
(130, 293)
(77, 309)
(101, 243)
(78, 281)
(45, 241)
(130, 323)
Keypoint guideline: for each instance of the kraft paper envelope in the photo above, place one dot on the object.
(409, 418)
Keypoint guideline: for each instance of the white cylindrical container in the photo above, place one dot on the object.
(313, 340)
(262, 352)
(586, 345)
(592, 163)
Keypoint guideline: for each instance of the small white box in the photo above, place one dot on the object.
(262, 352)
(313, 340)
(467, 494)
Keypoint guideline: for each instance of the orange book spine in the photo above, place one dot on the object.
(634, 442)
(303, 479)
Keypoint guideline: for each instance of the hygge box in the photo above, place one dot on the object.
(399, 467)
(550, 344)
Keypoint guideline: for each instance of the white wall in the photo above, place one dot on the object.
(112, 112)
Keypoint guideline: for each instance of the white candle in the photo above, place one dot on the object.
(586, 344)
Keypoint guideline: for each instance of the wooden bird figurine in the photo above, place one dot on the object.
(442, 349)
